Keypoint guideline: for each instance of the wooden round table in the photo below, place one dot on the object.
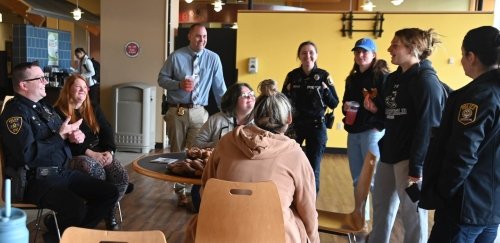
(159, 170)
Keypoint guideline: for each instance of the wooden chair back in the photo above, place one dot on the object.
(83, 235)
(7, 98)
(349, 223)
(240, 212)
(363, 187)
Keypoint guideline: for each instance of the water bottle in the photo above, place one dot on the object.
(12, 221)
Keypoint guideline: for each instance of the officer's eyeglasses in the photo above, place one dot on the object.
(42, 79)
(248, 95)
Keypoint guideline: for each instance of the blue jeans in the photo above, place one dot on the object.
(315, 138)
(446, 229)
(358, 144)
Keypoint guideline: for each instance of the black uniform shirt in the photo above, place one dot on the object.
(462, 169)
(307, 95)
(30, 135)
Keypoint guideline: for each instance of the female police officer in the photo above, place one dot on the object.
(310, 90)
(461, 170)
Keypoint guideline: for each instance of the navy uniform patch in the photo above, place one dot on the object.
(14, 124)
(467, 114)
(329, 80)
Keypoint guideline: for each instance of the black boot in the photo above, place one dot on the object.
(50, 223)
(50, 237)
(111, 223)
(130, 188)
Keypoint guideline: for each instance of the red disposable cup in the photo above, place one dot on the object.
(351, 112)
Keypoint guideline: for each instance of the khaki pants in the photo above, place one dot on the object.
(182, 130)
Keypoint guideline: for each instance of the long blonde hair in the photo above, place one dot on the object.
(86, 111)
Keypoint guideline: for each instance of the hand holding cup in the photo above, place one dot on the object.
(351, 112)
(188, 83)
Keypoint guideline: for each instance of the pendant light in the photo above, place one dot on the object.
(397, 2)
(368, 6)
(218, 5)
(77, 12)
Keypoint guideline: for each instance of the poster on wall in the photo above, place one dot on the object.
(53, 48)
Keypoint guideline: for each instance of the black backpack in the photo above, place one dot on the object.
(97, 70)
(447, 89)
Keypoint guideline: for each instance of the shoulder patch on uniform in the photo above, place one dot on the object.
(14, 124)
(467, 114)
(329, 80)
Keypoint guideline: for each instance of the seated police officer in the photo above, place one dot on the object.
(35, 143)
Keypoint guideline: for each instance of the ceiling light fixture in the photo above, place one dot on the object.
(218, 5)
(188, 1)
(397, 2)
(368, 6)
(77, 12)
(1, 18)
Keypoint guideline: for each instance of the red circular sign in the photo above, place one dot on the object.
(132, 49)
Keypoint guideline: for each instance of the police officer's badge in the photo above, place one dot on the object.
(467, 114)
(14, 124)
(329, 80)
(316, 77)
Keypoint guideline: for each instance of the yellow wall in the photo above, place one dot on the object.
(274, 37)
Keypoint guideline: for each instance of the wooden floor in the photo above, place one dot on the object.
(152, 205)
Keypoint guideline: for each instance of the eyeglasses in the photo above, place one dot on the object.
(33, 79)
(248, 95)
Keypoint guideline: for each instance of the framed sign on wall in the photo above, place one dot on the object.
(132, 49)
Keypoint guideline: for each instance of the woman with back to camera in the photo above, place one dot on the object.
(236, 105)
(310, 90)
(87, 71)
(413, 101)
(462, 170)
(261, 152)
(365, 130)
(95, 155)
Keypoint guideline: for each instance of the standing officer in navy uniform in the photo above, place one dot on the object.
(35, 143)
(310, 90)
(461, 176)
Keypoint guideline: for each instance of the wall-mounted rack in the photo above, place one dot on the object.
(348, 19)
